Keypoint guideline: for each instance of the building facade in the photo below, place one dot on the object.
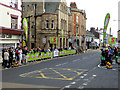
(118, 36)
(89, 38)
(11, 23)
(46, 20)
(78, 25)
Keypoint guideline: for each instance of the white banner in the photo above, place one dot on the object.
(56, 53)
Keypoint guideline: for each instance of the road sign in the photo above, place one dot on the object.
(111, 40)
(44, 40)
(53, 40)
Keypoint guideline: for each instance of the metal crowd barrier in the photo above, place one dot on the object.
(42, 55)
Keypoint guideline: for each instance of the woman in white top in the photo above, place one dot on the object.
(6, 58)
(20, 56)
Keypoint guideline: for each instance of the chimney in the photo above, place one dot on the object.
(73, 5)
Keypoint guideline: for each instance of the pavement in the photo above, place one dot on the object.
(81, 71)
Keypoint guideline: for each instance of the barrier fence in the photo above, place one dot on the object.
(42, 55)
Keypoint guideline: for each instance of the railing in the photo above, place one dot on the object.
(42, 55)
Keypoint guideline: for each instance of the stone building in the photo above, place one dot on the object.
(78, 25)
(46, 20)
(30, 11)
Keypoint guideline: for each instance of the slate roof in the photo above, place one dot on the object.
(51, 7)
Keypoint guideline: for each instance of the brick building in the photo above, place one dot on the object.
(78, 25)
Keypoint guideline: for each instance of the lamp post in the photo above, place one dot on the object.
(35, 23)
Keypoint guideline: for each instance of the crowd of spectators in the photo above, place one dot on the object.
(20, 54)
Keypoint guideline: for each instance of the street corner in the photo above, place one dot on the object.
(55, 73)
(114, 66)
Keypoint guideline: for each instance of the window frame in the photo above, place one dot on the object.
(52, 24)
(77, 19)
(47, 24)
(15, 4)
(16, 24)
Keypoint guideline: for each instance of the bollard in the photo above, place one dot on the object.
(16, 64)
(109, 65)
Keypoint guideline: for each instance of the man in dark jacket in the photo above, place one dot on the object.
(10, 57)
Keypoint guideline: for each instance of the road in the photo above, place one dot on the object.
(76, 71)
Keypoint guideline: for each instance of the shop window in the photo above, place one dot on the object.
(8, 36)
(14, 23)
(3, 36)
(52, 26)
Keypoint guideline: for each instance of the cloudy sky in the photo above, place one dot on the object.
(96, 11)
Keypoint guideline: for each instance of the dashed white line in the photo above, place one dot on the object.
(73, 82)
(80, 87)
(68, 86)
(85, 74)
(85, 83)
(76, 60)
(77, 79)
(81, 76)
(85, 79)
(61, 64)
(94, 75)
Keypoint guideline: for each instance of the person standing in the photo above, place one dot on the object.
(3, 56)
(20, 56)
(110, 54)
(17, 53)
(10, 57)
(6, 58)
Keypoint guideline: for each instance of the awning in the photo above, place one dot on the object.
(10, 31)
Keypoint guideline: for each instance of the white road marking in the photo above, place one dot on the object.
(85, 74)
(61, 64)
(77, 79)
(81, 76)
(68, 86)
(75, 60)
(73, 82)
(85, 83)
(58, 65)
(31, 72)
(94, 75)
(80, 87)
(86, 79)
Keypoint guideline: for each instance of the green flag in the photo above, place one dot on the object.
(106, 22)
(25, 25)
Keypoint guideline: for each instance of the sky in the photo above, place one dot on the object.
(96, 11)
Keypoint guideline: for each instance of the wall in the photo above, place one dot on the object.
(5, 14)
